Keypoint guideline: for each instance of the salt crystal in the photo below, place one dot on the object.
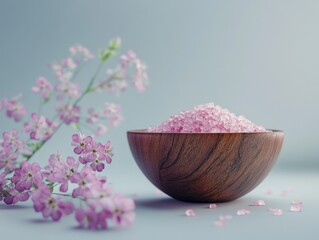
(297, 202)
(296, 208)
(208, 118)
(190, 213)
(258, 203)
(276, 211)
(243, 212)
(212, 206)
(221, 221)
(268, 192)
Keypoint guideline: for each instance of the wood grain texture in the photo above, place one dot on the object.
(205, 167)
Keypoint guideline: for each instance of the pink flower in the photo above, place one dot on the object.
(122, 210)
(140, 76)
(69, 114)
(44, 202)
(41, 128)
(80, 142)
(83, 179)
(96, 154)
(27, 176)
(92, 219)
(113, 82)
(81, 53)
(69, 89)
(71, 168)
(99, 195)
(112, 112)
(93, 116)
(3, 180)
(101, 130)
(43, 87)
(12, 139)
(8, 158)
(54, 171)
(14, 109)
(18, 196)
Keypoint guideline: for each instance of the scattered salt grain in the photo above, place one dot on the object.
(243, 212)
(258, 203)
(276, 211)
(212, 206)
(296, 208)
(222, 220)
(190, 213)
(268, 192)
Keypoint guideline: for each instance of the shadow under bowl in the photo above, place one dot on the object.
(205, 167)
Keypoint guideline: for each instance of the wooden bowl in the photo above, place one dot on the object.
(205, 167)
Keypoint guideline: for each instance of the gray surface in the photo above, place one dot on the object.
(160, 217)
(257, 58)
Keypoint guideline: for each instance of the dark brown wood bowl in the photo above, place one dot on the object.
(205, 167)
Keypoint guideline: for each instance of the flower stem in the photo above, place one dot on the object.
(87, 90)
(89, 86)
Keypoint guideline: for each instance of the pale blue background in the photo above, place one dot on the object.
(257, 58)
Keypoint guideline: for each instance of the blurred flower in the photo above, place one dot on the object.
(41, 128)
(43, 87)
(44, 202)
(14, 109)
(69, 114)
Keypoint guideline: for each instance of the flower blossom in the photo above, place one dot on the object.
(69, 114)
(14, 109)
(112, 112)
(27, 176)
(44, 202)
(41, 128)
(43, 87)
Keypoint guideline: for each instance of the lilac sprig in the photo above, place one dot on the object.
(49, 187)
(52, 187)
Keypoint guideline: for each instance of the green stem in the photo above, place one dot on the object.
(86, 91)
(89, 86)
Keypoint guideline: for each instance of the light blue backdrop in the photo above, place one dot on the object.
(257, 58)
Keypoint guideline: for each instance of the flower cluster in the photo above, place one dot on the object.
(207, 118)
(48, 187)
(74, 184)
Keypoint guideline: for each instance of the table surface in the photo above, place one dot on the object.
(160, 217)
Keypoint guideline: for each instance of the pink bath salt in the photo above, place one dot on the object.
(207, 118)
(219, 223)
(296, 208)
(297, 202)
(190, 213)
(268, 192)
(243, 212)
(212, 206)
(221, 220)
(258, 203)
(276, 211)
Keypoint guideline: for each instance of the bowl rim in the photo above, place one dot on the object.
(144, 131)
